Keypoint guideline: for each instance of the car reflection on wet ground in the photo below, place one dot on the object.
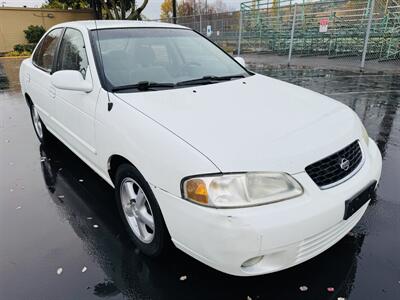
(50, 204)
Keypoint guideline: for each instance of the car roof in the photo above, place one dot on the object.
(102, 24)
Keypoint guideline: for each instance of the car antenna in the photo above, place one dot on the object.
(110, 104)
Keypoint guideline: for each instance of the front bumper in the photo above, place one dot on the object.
(284, 233)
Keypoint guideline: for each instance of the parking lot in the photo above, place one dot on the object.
(50, 201)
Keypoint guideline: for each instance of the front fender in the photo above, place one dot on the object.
(162, 157)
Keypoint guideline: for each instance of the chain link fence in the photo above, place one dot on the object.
(221, 28)
(353, 34)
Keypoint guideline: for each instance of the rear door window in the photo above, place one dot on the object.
(46, 50)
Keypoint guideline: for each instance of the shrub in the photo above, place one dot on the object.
(16, 53)
(13, 53)
(19, 47)
(27, 48)
(34, 33)
(25, 53)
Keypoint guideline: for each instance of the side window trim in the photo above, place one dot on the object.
(55, 60)
(93, 37)
(58, 57)
(36, 52)
(55, 53)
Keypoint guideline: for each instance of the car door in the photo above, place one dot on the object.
(76, 109)
(37, 77)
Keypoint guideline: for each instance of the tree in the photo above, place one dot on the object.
(33, 33)
(220, 6)
(123, 9)
(110, 9)
(185, 8)
(166, 9)
(65, 4)
(192, 7)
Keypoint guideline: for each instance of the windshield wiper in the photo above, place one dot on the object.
(209, 79)
(148, 85)
(143, 86)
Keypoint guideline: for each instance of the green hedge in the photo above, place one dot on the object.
(24, 48)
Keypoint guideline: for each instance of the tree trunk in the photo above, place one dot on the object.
(115, 8)
(123, 9)
(135, 14)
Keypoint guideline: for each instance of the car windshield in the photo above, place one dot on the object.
(162, 58)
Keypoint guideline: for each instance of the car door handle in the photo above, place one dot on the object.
(52, 92)
(27, 77)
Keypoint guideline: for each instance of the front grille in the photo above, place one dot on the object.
(336, 166)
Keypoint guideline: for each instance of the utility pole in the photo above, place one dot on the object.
(174, 11)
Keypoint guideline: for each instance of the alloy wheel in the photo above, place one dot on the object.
(37, 123)
(137, 210)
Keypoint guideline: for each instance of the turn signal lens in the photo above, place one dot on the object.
(196, 190)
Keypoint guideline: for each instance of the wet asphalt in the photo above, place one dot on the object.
(50, 202)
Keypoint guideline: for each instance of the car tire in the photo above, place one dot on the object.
(40, 129)
(140, 211)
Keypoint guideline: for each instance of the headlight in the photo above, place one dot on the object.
(364, 133)
(238, 190)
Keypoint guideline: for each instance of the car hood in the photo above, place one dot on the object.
(252, 124)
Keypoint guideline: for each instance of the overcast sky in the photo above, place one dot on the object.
(152, 10)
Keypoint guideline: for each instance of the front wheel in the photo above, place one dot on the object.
(139, 210)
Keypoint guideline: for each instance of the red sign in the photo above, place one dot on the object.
(324, 22)
(323, 25)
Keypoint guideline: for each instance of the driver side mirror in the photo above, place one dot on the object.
(240, 60)
(71, 80)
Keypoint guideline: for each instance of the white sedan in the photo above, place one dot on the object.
(246, 173)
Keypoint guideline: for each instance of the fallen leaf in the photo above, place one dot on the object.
(182, 278)
(59, 271)
(84, 269)
(303, 288)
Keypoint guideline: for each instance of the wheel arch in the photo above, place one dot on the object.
(113, 164)
(28, 100)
